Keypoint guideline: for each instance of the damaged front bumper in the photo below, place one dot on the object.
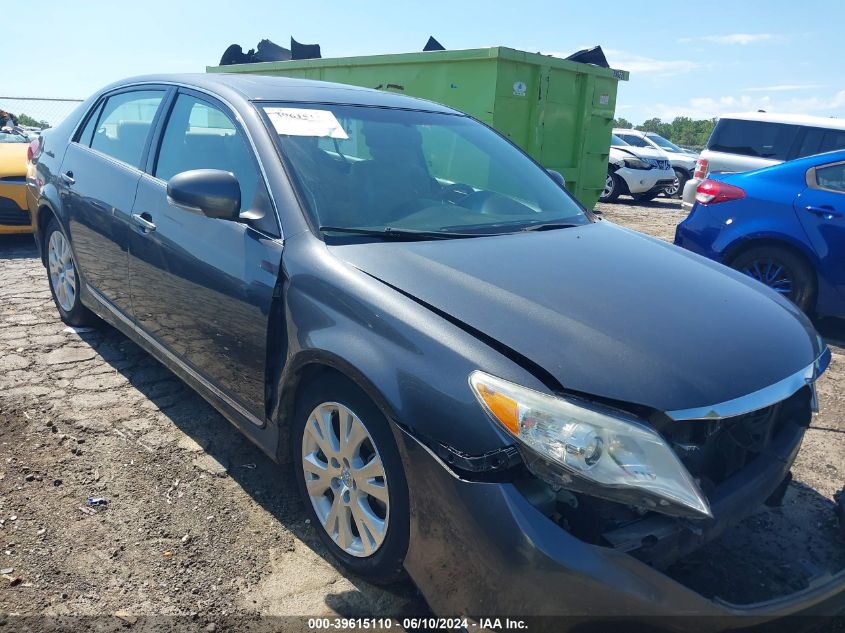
(481, 549)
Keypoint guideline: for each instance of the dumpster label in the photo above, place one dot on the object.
(519, 88)
(302, 122)
(604, 99)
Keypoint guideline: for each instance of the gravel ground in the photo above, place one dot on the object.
(198, 523)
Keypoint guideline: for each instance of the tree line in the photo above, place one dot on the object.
(682, 131)
(25, 119)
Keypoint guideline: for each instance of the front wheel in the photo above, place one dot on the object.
(63, 277)
(612, 188)
(351, 478)
(781, 270)
(676, 189)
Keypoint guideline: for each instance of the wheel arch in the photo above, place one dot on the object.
(43, 215)
(303, 370)
(687, 173)
(735, 250)
(738, 247)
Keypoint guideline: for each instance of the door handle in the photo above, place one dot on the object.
(68, 177)
(145, 224)
(825, 211)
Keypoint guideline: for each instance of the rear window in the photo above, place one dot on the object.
(760, 139)
(818, 140)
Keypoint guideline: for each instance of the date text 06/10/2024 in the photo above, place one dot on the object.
(410, 624)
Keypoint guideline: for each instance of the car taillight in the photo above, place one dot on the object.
(714, 191)
(33, 150)
(701, 168)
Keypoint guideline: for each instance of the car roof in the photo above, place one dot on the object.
(795, 119)
(626, 130)
(251, 87)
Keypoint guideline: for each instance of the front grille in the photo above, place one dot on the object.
(12, 215)
(715, 450)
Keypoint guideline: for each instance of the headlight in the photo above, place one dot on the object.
(592, 449)
(636, 163)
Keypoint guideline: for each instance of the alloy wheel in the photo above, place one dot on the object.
(772, 273)
(608, 187)
(345, 479)
(672, 190)
(62, 271)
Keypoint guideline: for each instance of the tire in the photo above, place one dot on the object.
(63, 277)
(782, 270)
(378, 558)
(612, 188)
(648, 196)
(676, 190)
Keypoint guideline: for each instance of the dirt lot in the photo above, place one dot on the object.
(199, 523)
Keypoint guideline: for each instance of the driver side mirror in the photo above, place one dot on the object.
(556, 176)
(211, 192)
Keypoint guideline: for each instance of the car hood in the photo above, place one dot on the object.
(641, 152)
(606, 311)
(682, 157)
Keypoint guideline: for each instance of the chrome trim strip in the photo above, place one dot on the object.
(760, 399)
(215, 391)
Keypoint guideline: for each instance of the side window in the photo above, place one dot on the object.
(753, 138)
(87, 133)
(833, 140)
(124, 125)
(200, 135)
(819, 140)
(831, 177)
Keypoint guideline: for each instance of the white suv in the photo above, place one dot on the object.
(742, 142)
(641, 172)
(683, 161)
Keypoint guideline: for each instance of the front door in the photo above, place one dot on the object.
(99, 175)
(203, 287)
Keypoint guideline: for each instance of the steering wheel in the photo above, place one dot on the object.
(455, 192)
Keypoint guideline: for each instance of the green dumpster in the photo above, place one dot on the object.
(561, 112)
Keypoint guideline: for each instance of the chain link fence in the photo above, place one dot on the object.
(38, 112)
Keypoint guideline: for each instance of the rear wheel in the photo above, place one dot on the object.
(612, 188)
(63, 277)
(782, 270)
(351, 478)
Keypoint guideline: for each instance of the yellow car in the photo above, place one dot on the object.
(14, 214)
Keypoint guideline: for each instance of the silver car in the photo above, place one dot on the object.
(742, 142)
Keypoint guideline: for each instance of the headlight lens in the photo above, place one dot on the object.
(590, 448)
(636, 163)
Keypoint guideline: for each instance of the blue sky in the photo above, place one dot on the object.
(697, 59)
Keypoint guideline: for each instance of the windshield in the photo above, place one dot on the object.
(636, 141)
(399, 171)
(615, 141)
(664, 143)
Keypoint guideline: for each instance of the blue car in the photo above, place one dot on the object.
(782, 225)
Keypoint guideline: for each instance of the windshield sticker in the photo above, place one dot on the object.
(301, 122)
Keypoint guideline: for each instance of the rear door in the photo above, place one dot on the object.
(100, 174)
(821, 210)
(202, 287)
